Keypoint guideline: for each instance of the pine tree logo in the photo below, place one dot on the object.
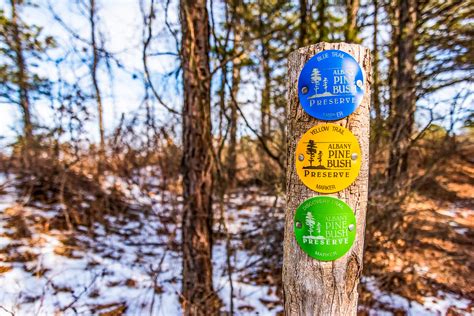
(313, 153)
(310, 222)
(320, 158)
(311, 150)
(316, 78)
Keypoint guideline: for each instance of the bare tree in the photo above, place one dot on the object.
(95, 83)
(198, 294)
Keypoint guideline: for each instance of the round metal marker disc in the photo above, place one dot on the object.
(328, 158)
(331, 85)
(324, 227)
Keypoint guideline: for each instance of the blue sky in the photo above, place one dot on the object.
(120, 21)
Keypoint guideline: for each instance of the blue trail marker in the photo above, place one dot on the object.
(331, 85)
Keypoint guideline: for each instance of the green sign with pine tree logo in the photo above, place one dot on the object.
(325, 227)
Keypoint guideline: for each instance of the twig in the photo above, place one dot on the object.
(261, 140)
(6, 310)
(80, 294)
(146, 43)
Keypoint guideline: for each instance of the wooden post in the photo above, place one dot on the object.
(313, 287)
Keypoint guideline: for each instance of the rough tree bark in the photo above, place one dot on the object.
(402, 81)
(198, 296)
(313, 287)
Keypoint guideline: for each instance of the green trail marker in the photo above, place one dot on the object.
(325, 227)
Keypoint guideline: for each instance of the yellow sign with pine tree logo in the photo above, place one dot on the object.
(328, 158)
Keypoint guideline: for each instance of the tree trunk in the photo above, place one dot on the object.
(221, 127)
(376, 85)
(313, 287)
(351, 31)
(303, 23)
(402, 89)
(265, 102)
(323, 30)
(22, 75)
(198, 296)
(265, 172)
(95, 83)
(232, 156)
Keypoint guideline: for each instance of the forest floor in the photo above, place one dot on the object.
(130, 263)
(430, 269)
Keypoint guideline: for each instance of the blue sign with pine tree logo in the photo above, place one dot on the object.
(331, 85)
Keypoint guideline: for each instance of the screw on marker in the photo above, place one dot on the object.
(304, 90)
(354, 156)
(298, 225)
(300, 157)
(351, 227)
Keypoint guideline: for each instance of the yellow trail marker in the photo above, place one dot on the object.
(328, 158)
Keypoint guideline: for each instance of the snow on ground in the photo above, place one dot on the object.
(130, 269)
(431, 305)
(136, 267)
(459, 218)
(247, 297)
(89, 280)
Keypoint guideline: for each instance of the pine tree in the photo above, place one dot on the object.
(270, 28)
(402, 81)
(429, 52)
(21, 45)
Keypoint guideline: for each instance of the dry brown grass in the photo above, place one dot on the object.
(433, 247)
